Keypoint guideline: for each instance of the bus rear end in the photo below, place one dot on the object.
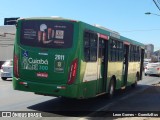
(45, 59)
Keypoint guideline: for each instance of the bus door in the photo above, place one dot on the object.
(125, 64)
(102, 63)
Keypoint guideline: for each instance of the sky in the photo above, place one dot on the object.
(124, 16)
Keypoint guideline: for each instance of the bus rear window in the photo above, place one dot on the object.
(48, 34)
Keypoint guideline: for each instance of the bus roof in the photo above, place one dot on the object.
(132, 41)
(102, 29)
(47, 18)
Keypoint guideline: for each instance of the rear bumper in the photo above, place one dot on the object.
(46, 89)
(6, 74)
(148, 72)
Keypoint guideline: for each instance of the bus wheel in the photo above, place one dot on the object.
(111, 89)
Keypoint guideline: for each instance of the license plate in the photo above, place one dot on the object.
(151, 69)
(7, 75)
(150, 72)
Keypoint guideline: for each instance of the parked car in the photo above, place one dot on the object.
(146, 61)
(152, 69)
(7, 69)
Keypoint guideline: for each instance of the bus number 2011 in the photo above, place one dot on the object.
(59, 57)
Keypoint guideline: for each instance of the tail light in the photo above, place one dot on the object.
(73, 72)
(16, 72)
(158, 68)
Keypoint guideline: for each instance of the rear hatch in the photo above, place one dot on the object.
(8, 67)
(45, 51)
(153, 67)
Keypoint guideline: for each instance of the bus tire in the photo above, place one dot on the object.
(111, 89)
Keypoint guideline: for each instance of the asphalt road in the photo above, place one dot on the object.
(128, 100)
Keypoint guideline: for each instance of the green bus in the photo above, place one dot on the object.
(63, 57)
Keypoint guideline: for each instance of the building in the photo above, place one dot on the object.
(149, 49)
(156, 55)
(7, 35)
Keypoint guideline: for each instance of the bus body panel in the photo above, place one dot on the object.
(134, 68)
(115, 69)
(46, 89)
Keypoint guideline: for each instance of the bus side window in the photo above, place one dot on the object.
(86, 39)
(86, 54)
(93, 47)
(120, 51)
(101, 49)
(86, 46)
(131, 53)
(93, 54)
(137, 54)
(113, 50)
(116, 50)
(90, 46)
(134, 53)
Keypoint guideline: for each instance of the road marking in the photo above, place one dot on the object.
(114, 102)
